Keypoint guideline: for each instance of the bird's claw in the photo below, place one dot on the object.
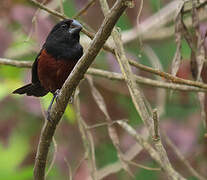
(71, 100)
(57, 92)
(55, 97)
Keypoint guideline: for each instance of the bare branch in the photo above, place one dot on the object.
(161, 94)
(71, 83)
(61, 16)
(54, 156)
(87, 139)
(161, 150)
(144, 81)
(137, 97)
(117, 76)
(15, 63)
(144, 167)
(156, 125)
(85, 8)
(178, 37)
(69, 169)
(168, 76)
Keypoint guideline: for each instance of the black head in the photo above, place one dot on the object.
(63, 40)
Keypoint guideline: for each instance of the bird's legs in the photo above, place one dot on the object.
(55, 96)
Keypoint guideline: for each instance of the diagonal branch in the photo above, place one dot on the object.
(84, 9)
(136, 95)
(71, 83)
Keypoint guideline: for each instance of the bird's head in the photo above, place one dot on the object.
(66, 31)
(63, 40)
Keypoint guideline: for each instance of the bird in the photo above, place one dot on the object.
(55, 61)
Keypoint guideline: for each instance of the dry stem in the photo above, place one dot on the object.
(186, 86)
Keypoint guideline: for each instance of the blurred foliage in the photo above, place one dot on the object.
(69, 8)
(156, 5)
(12, 156)
(126, 103)
(109, 152)
(22, 118)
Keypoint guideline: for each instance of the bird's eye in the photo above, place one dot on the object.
(64, 26)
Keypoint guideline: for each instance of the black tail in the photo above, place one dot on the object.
(31, 90)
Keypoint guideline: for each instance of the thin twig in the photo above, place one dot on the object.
(160, 148)
(86, 138)
(61, 6)
(50, 11)
(178, 37)
(84, 9)
(54, 157)
(16, 63)
(139, 12)
(168, 76)
(61, 16)
(85, 156)
(34, 22)
(117, 76)
(143, 166)
(144, 81)
(156, 125)
(161, 94)
(69, 169)
(104, 124)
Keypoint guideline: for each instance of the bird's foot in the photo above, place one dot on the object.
(55, 97)
(56, 94)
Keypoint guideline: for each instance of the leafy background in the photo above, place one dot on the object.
(21, 117)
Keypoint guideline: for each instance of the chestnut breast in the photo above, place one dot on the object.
(52, 73)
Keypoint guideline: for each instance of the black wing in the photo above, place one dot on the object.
(35, 88)
(35, 78)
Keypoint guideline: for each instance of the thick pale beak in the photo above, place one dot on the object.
(75, 27)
